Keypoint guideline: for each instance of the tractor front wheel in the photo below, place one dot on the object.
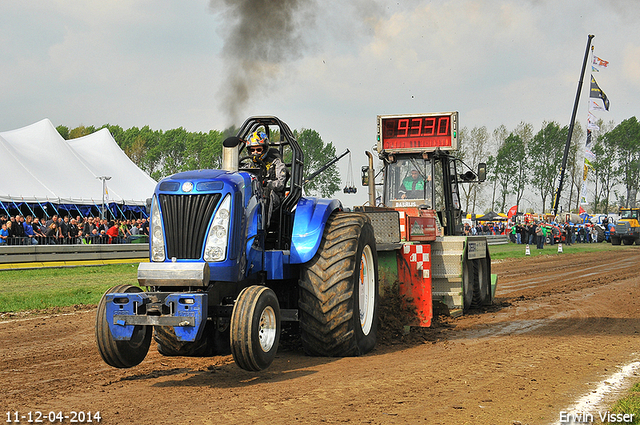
(255, 328)
(339, 290)
(168, 344)
(116, 353)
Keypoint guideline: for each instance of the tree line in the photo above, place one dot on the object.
(163, 153)
(521, 162)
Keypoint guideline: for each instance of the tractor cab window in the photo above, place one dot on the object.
(410, 183)
(629, 214)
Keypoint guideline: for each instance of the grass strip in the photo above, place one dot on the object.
(512, 250)
(630, 404)
(44, 288)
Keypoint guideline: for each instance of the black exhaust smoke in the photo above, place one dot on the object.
(260, 36)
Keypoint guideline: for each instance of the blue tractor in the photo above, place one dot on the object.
(221, 280)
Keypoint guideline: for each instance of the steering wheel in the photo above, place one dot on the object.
(244, 158)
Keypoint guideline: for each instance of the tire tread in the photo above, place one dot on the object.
(326, 289)
(118, 353)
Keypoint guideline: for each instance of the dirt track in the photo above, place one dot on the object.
(561, 325)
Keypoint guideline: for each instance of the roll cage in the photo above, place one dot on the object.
(293, 158)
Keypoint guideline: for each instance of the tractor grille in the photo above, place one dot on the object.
(623, 227)
(185, 219)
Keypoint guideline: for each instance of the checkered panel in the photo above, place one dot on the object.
(414, 273)
(416, 256)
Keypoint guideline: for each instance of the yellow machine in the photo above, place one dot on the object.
(627, 229)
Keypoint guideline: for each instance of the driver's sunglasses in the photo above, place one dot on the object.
(255, 150)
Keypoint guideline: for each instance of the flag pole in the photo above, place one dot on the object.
(556, 198)
(582, 194)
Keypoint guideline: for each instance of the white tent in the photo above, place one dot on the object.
(37, 166)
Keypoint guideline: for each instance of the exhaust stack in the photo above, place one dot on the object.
(230, 153)
(372, 182)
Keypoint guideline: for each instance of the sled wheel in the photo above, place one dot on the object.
(487, 278)
(615, 240)
(339, 290)
(475, 266)
(482, 291)
(627, 241)
(121, 354)
(255, 328)
(468, 283)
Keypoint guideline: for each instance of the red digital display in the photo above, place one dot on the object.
(418, 132)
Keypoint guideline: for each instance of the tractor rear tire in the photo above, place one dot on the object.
(339, 290)
(600, 231)
(255, 328)
(121, 354)
(168, 344)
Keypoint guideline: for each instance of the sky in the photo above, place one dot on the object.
(331, 66)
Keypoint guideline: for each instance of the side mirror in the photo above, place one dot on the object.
(365, 175)
(482, 171)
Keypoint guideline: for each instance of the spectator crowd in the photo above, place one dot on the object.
(21, 230)
(537, 233)
(487, 228)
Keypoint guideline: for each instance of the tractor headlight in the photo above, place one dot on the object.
(157, 234)
(215, 248)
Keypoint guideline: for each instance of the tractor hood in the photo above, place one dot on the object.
(205, 181)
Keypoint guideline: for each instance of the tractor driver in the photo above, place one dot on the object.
(413, 185)
(273, 173)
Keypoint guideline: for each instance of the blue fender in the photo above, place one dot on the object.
(308, 226)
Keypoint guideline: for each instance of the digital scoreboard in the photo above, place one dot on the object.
(418, 132)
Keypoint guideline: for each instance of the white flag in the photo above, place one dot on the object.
(589, 156)
(106, 193)
(600, 63)
(583, 194)
(596, 105)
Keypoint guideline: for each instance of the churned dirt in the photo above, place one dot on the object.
(560, 324)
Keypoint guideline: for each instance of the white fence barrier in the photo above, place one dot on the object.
(15, 254)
